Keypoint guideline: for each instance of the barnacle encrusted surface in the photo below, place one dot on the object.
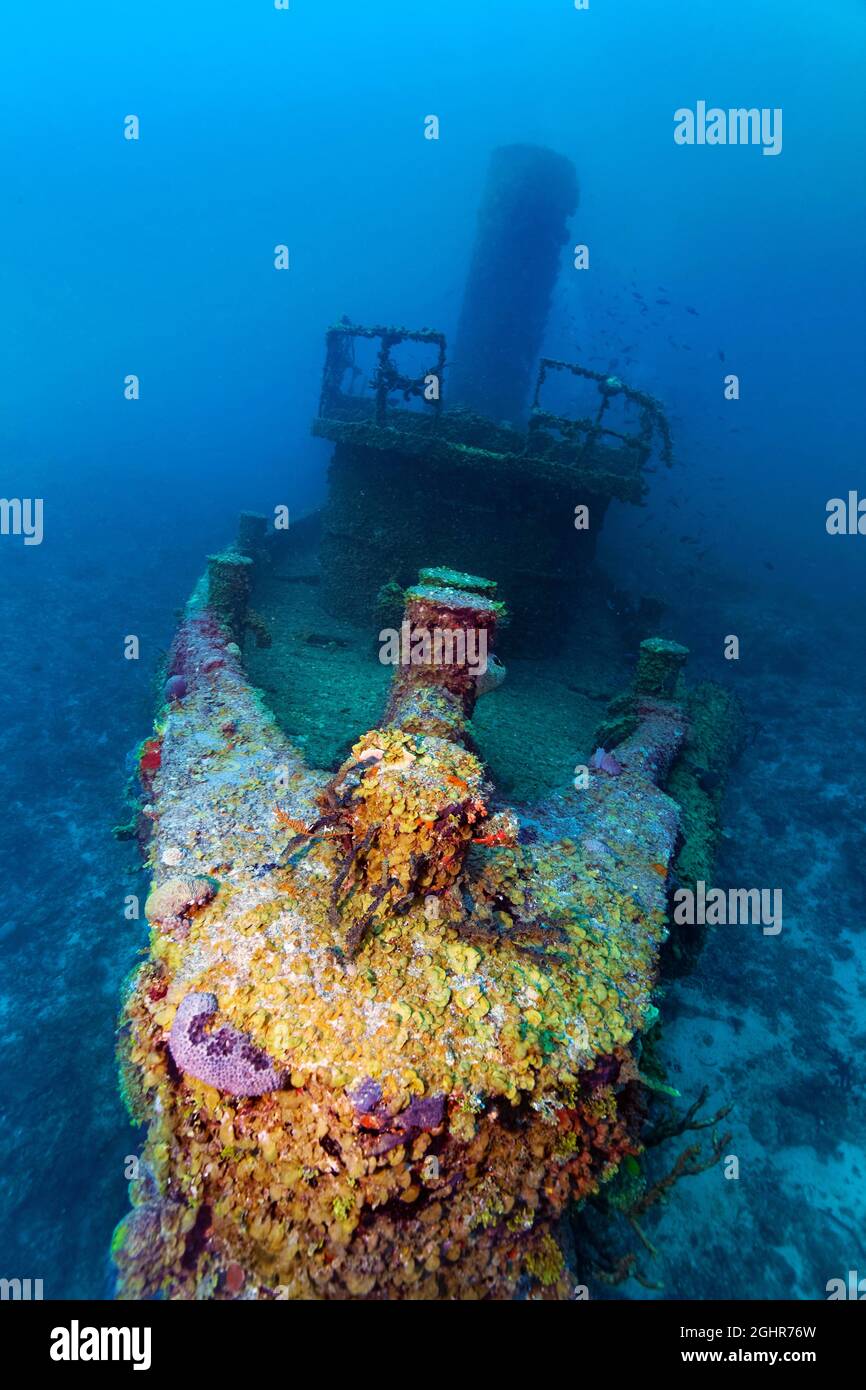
(448, 1090)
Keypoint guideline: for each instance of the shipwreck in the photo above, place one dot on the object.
(390, 1031)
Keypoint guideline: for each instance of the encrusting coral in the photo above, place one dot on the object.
(441, 998)
(173, 902)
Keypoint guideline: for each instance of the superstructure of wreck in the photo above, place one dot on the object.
(389, 1031)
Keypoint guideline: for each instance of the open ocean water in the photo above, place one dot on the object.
(258, 127)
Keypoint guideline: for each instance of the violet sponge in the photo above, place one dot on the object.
(223, 1058)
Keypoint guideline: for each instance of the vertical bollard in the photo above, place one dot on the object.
(252, 529)
(229, 589)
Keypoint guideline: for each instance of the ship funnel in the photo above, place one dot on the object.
(522, 227)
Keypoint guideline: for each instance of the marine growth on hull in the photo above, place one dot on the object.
(385, 1032)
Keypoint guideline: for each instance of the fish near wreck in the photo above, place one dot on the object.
(347, 1094)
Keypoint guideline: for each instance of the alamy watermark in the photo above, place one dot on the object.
(738, 125)
(846, 516)
(422, 646)
(22, 516)
(736, 907)
(77, 1343)
(853, 1288)
(16, 1289)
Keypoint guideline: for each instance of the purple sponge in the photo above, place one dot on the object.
(223, 1058)
(175, 688)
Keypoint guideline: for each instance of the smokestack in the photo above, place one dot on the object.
(522, 227)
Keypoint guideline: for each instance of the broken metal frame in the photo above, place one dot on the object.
(339, 409)
(653, 418)
(340, 358)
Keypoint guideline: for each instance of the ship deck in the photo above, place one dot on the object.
(322, 678)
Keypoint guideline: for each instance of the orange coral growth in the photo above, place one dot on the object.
(291, 823)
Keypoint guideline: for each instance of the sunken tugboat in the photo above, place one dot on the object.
(388, 1028)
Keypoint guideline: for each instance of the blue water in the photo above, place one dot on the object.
(155, 257)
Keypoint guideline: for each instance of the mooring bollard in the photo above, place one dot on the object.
(658, 667)
(252, 529)
(228, 575)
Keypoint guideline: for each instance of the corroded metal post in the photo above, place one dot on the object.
(252, 530)
(658, 668)
(229, 589)
(446, 642)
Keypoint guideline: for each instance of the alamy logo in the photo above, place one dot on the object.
(20, 1289)
(739, 125)
(22, 516)
(737, 907)
(421, 646)
(846, 518)
(76, 1343)
(855, 1288)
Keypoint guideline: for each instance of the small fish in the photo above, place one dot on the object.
(659, 868)
(721, 355)
(663, 301)
(457, 782)
(690, 310)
